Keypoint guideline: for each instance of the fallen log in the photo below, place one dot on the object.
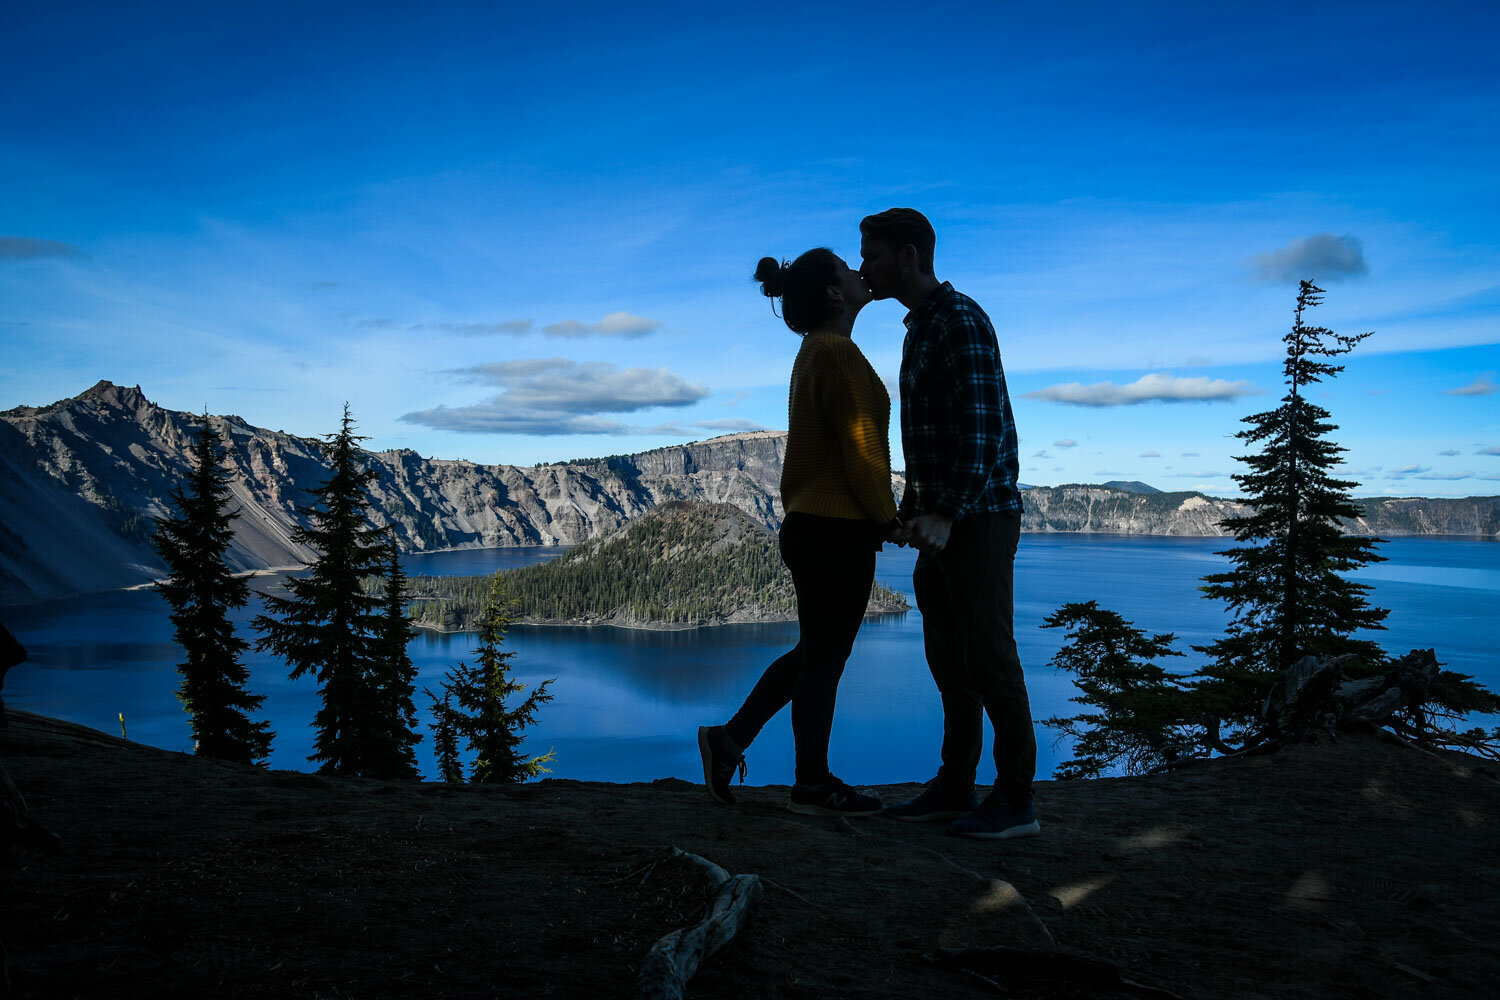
(674, 959)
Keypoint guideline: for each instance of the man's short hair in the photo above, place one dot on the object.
(900, 226)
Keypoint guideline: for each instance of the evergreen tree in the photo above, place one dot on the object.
(202, 592)
(445, 739)
(392, 680)
(474, 704)
(1285, 589)
(330, 626)
(1140, 704)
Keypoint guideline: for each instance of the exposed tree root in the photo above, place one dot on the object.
(671, 962)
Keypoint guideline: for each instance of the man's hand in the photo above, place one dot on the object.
(929, 532)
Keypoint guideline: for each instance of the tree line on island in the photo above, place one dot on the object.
(1293, 662)
(679, 565)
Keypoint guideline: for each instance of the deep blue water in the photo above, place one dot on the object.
(627, 702)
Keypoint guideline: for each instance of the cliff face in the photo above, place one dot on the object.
(81, 479)
(1118, 512)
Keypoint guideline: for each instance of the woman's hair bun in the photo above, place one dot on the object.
(771, 275)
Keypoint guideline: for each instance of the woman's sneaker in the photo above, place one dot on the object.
(721, 759)
(831, 797)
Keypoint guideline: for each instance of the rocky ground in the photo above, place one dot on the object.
(1354, 869)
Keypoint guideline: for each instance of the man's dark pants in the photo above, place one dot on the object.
(966, 594)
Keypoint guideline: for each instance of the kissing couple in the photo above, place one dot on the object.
(961, 509)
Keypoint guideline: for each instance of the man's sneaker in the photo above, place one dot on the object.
(935, 805)
(720, 762)
(997, 819)
(831, 797)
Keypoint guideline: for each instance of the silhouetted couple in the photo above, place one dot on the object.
(961, 509)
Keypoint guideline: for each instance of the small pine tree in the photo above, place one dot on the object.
(1286, 590)
(473, 706)
(1140, 704)
(392, 680)
(329, 627)
(202, 592)
(445, 739)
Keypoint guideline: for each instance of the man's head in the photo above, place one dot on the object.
(896, 248)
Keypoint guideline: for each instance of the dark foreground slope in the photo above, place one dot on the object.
(1355, 870)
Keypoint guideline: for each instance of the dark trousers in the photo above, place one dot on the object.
(966, 594)
(832, 560)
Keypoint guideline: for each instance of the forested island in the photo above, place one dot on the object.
(681, 565)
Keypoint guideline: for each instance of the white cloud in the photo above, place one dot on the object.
(1149, 454)
(545, 396)
(1481, 386)
(1407, 470)
(1445, 475)
(1449, 452)
(1493, 449)
(616, 324)
(1040, 454)
(1148, 388)
(1323, 257)
(1065, 443)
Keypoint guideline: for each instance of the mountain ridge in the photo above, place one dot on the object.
(81, 478)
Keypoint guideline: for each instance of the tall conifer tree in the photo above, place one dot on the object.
(1286, 589)
(393, 679)
(202, 591)
(473, 705)
(329, 627)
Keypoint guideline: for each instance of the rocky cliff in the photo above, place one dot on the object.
(80, 480)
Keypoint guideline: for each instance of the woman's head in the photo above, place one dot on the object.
(814, 288)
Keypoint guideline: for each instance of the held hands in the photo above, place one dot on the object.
(927, 532)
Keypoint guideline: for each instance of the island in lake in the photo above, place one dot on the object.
(679, 565)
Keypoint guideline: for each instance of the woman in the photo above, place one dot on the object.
(836, 491)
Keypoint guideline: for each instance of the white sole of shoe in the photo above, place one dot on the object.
(1024, 830)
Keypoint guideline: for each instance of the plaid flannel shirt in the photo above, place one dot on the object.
(956, 424)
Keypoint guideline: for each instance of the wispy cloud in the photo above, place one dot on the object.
(1190, 454)
(728, 425)
(1324, 257)
(508, 327)
(1149, 454)
(1493, 449)
(1481, 386)
(1449, 451)
(616, 324)
(1156, 387)
(1040, 454)
(550, 396)
(1445, 475)
(1401, 472)
(26, 248)
(1065, 443)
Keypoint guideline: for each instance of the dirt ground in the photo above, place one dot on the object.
(1354, 869)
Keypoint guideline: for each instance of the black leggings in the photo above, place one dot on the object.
(832, 560)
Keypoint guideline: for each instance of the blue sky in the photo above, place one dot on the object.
(515, 235)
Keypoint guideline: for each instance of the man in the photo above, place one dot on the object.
(962, 509)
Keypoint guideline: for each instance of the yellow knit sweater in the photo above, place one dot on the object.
(837, 458)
